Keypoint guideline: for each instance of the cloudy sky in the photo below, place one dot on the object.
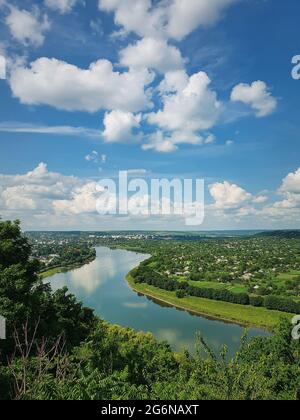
(162, 88)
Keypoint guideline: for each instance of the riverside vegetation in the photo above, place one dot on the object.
(253, 280)
(57, 254)
(246, 277)
(57, 349)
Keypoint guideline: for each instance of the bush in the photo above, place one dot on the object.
(196, 277)
(257, 301)
(183, 285)
(180, 294)
(281, 304)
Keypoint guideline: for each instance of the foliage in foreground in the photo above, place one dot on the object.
(118, 364)
(57, 349)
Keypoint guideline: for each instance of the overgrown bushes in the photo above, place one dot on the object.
(257, 301)
(180, 294)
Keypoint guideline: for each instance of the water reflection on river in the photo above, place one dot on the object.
(101, 285)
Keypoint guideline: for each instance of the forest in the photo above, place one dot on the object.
(56, 349)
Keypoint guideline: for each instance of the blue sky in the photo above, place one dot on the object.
(189, 89)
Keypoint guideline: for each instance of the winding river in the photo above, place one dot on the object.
(101, 285)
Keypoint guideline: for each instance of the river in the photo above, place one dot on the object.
(101, 285)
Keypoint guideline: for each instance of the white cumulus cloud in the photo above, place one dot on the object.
(228, 196)
(161, 143)
(34, 190)
(27, 27)
(153, 54)
(67, 87)
(136, 16)
(42, 198)
(192, 107)
(83, 200)
(184, 16)
(291, 183)
(257, 96)
(289, 205)
(119, 126)
(189, 108)
(169, 19)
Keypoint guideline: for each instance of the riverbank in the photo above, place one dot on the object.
(52, 271)
(247, 316)
(63, 269)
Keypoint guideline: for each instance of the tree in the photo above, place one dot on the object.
(180, 294)
(25, 299)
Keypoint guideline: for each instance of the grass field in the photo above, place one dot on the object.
(52, 272)
(292, 275)
(244, 315)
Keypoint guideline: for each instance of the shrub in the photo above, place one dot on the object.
(281, 304)
(180, 294)
(257, 301)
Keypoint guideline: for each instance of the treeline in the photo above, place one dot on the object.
(72, 256)
(145, 274)
(287, 234)
(281, 304)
